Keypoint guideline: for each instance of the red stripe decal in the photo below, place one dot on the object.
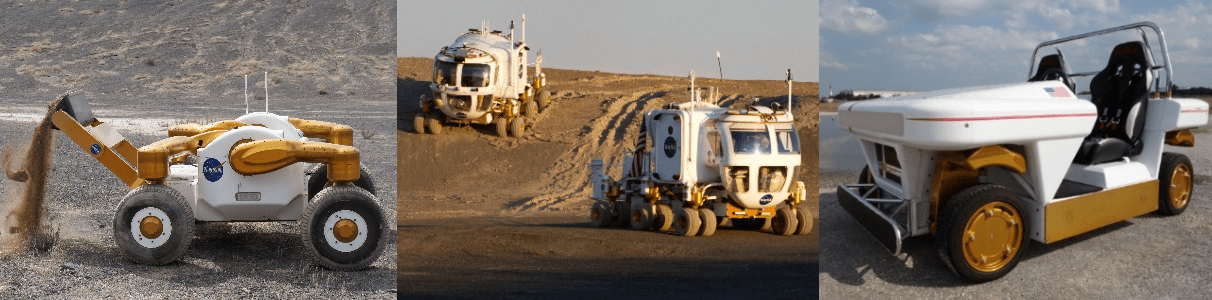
(1195, 111)
(994, 118)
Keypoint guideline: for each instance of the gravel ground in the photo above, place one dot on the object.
(146, 66)
(1140, 258)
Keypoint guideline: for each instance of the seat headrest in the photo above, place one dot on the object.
(1131, 52)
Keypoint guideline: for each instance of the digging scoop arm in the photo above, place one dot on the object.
(264, 156)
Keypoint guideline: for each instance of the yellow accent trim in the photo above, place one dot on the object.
(333, 133)
(992, 236)
(1180, 186)
(1070, 217)
(345, 230)
(107, 157)
(151, 227)
(192, 129)
(1181, 138)
(957, 170)
(749, 213)
(264, 156)
(154, 159)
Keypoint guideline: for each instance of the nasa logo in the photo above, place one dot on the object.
(212, 169)
(671, 147)
(95, 149)
(461, 115)
(766, 199)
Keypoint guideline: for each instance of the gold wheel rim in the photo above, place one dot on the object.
(151, 227)
(1180, 186)
(992, 236)
(345, 230)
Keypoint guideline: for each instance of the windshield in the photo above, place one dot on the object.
(444, 72)
(475, 75)
(789, 142)
(750, 142)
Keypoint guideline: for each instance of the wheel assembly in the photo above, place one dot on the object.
(686, 221)
(784, 221)
(707, 222)
(435, 123)
(981, 232)
(318, 179)
(664, 218)
(344, 228)
(501, 127)
(418, 123)
(804, 221)
(1176, 181)
(641, 214)
(154, 225)
(600, 215)
(517, 127)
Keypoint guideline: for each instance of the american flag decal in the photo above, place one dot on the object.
(1057, 92)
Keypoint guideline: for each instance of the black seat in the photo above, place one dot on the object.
(1120, 93)
(1053, 67)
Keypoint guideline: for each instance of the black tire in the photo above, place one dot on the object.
(154, 244)
(1176, 184)
(418, 123)
(707, 222)
(982, 203)
(544, 100)
(501, 126)
(435, 123)
(784, 221)
(622, 212)
(517, 127)
(804, 221)
(319, 179)
(686, 221)
(599, 215)
(664, 218)
(641, 215)
(530, 109)
(344, 205)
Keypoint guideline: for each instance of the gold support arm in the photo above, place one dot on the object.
(192, 129)
(957, 170)
(154, 158)
(1181, 138)
(264, 156)
(332, 132)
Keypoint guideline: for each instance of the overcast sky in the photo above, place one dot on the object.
(756, 39)
(934, 44)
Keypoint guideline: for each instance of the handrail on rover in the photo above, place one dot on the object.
(1161, 37)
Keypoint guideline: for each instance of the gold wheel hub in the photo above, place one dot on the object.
(151, 227)
(1180, 186)
(345, 230)
(992, 237)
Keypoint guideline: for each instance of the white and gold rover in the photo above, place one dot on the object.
(987, 169)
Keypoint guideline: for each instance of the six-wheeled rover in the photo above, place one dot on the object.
(987, 169)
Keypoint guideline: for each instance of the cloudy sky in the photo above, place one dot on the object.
(756, 39)
(935, 44)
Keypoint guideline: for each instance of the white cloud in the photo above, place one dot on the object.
(827, 60)
(1100, 6)
(847, 16)
(956, 46)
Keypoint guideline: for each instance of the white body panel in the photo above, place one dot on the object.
(277, 195)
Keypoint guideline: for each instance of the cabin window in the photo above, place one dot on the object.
(444, 72)
(750, 142)
(476, 75)
(789, 141)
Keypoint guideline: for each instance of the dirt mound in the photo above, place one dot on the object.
(593, 115)
(23, 220)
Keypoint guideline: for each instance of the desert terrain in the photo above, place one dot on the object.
(145, 66)
(484, 216)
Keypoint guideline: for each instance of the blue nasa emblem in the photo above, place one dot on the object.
(95, 149)
(671, 147)
(766, 199)
(212, 169)
(461, 115)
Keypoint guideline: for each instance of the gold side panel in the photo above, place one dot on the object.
(739, 212)
(264, 156)
(192, 129)
(1181, 138)
(331, 132)
(957, 170)
(105, 155)
(1070, 217)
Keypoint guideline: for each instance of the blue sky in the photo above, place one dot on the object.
(935, 44)
(756, 39)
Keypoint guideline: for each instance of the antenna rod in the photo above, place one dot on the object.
(266, 91)
(720, 64)
(693, 91)
(523, 28)
(246, 94)
(788, 91)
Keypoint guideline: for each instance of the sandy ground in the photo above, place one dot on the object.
(145, 66)
(1143, 257)
(518, 224)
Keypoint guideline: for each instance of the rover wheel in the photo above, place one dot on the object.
(517, 127)
(531, 109)
(435, 123)
(784, 221)
(319, 179)
(707, 222)
(600, 215)
(622, 213)
(418, 123)
(664, 218)
(154, 225)
(344, 228)
(686, 221)
(981, 233)
(544, 99)
(1175, 183)
(641, 215)
(804, 221)
(502, 128)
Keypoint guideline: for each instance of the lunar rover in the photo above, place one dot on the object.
(707, 164)
(247, 169)
(482, 79)
(987, 169)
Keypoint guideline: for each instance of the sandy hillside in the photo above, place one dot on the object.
(511, 214)
(145, 66)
